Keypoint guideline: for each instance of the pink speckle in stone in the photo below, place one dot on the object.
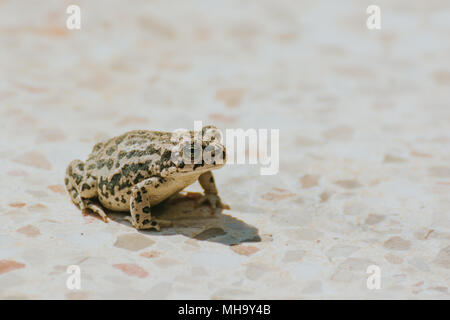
(30, 231)
(244, 250)
(50, 135)
(132, 120)
(18, 173)
(34, 159)
(57, 188)
(231, 96)
(131, 269)
(17, 204)
(309, 180)
(280, 194)
(222, 117)
(10, 265)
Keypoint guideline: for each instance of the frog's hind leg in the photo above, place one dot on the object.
(82, 187)
(96, 209)
(140, 206)
(74, 176)
(206, 181)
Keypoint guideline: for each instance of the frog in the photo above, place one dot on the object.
(139, 169)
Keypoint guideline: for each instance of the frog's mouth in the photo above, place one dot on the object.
(197, 167)
(208, 162)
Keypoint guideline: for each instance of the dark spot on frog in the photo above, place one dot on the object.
(115, 180)
(110, 185)
(151, 150)
(138, 178)
(97, 147)
(111, 150)
(133, 168)
(101, 164)
(85, 186)
(166, 156)
(119, 139)
(110, 164)
(198, 165)
(77, 178)
(146, 209)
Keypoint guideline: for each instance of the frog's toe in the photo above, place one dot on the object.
(213, 200)
(88, 204)
(146, 223)
(129, 219)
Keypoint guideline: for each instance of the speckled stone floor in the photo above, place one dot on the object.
(364, 121)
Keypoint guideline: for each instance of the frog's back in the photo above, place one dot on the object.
(133, 153)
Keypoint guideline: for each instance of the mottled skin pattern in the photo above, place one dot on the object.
(135, 171)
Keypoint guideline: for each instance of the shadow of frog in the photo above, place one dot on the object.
(196, 222)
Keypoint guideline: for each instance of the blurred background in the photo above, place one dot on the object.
(364, 122)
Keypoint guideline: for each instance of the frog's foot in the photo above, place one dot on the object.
(74, 176)
(143, 222)
(213, 200)
(153, 224)
(88, 204)
(81, 186)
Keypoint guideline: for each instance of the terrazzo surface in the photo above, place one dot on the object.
(364, 120)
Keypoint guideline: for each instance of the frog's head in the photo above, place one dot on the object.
(203, 153)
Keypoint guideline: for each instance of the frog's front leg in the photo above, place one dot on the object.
(208, 184)
(81, 187)
(140, 206)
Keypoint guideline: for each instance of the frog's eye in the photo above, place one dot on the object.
(192, 153)
(208, 128)
(211, 134)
